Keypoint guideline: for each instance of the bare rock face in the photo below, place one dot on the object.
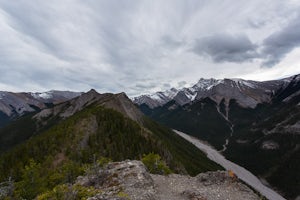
(131, 180)
(128, 178)
(19, 103)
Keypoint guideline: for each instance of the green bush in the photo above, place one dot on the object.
(154, 164)
(64, 191)
(102, 161)
(32, 182)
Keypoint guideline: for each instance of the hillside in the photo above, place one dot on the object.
(74, 134)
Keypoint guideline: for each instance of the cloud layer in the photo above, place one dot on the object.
(281, 42)
(142, 46)
(225, 47)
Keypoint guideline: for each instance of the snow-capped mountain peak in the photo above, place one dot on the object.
(156, 99)
(247, 93)
(205, 84)
(181, 96)
(171, 93)
(42, 95)
(16, 104)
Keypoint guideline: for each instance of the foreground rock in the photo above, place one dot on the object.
(206, 186)
(131, 180)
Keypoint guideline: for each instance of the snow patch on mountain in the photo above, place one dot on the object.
(191, 96)
(206, 84)
(166, 95)
(43, 95)
(240, 83)
(2, 94)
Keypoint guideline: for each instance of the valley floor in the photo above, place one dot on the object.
(241, 172)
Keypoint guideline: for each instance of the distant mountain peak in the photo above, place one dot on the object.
(206, 84)
(122, 94)
(93, 91)
(17, 104)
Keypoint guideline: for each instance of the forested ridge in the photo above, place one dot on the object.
(64, 151)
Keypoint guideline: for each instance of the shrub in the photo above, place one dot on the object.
(154, 164)
(32, 182)
(64, 191)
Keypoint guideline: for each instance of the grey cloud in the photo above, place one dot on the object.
(34, 24)
(278, 44)
(118, 46)
(181, 83)
(258, 23)
(145, 85)
(166, 85)
(238, 48)
(226, 48)
(170, 42)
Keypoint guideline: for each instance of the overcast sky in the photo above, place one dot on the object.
(141, 46)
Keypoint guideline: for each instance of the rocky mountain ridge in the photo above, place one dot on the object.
(246, 92)
(119, 102)
(41, 120)
(13, 105)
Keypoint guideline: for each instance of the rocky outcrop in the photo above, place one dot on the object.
(131, 180)
(119, 179)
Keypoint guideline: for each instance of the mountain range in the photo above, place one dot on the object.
(49, 148)
(246, 92)
(57, 133)
(13, 105)
(255, 124)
